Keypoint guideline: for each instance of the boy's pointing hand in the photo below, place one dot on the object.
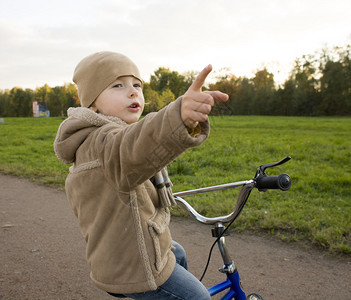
(196, 104)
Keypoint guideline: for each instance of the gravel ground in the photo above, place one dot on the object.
(42, 254)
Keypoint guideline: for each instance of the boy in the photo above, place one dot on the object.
(118, 186)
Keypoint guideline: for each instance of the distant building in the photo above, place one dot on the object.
(40, 109)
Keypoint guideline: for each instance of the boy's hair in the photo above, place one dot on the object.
(97, 71)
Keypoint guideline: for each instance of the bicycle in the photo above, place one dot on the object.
(262, 182)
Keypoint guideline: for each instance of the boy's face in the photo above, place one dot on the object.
(123, 98)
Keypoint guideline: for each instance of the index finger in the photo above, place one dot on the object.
(200, 79)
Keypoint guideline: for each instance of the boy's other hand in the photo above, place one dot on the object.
(196, 104)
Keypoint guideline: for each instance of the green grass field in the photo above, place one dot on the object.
(316, 209)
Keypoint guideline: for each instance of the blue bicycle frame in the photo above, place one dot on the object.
(233, 280)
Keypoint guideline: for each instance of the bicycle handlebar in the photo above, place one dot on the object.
(261, 181)
(212, 188)
(242, 197)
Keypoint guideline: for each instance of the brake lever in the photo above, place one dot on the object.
(261, 169)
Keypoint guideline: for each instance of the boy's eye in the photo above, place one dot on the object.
(137, 85)
(117, 85)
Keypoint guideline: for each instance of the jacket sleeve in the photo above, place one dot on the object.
(135, 153)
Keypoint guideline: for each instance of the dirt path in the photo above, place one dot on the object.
(42, 254)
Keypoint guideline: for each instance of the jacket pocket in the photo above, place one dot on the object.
(158, 227)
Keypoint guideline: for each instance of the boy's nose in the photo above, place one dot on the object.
(133, 92)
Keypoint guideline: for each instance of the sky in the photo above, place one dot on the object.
(42, 41)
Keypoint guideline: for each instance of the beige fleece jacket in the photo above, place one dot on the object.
(117, 206)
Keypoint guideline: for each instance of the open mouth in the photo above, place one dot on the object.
(134, 105)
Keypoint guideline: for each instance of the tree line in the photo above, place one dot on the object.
(318, 85)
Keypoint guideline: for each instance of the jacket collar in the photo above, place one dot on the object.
(74, 130)
(95, 119)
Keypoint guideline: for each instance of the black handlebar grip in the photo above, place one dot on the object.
(283, 182)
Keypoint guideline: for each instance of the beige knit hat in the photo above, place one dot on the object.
(97, 71)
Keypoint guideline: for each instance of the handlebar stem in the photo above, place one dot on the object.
(223, 248)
